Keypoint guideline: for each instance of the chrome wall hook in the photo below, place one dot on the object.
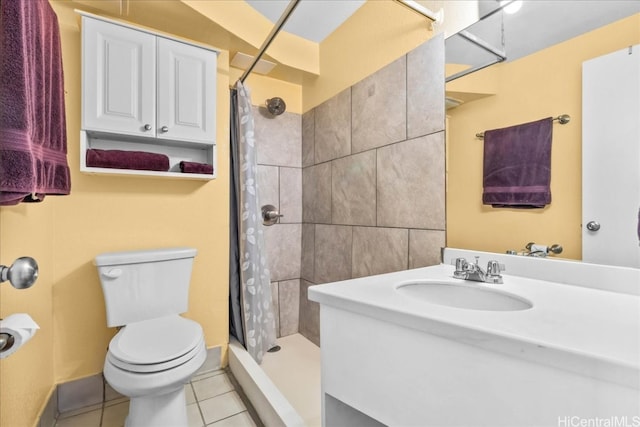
(22, 274)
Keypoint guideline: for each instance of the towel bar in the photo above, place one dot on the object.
(563, 119)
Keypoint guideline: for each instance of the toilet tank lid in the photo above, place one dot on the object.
(135, 257)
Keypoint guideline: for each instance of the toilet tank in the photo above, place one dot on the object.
(142, 285)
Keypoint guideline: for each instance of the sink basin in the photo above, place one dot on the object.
(470, 297)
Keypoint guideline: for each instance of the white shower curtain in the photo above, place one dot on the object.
(250, 293)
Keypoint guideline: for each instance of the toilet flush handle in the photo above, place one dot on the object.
(114, 273)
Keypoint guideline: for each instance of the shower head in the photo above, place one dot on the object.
(276, 106)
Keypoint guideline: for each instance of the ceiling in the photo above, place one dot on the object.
(537, 25)
(312, 19)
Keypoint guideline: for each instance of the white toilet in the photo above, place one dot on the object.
(156, 351)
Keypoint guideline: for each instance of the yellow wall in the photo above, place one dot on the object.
(105, 213)
(378, 33)
(544, 84)
(26, 377)
(264, 87)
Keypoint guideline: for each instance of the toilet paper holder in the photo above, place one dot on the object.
(6, 341)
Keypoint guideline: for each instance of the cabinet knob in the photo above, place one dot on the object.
(147, 127)
(164, 129)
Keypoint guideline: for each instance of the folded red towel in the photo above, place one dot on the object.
(195, 167)
(118, 159)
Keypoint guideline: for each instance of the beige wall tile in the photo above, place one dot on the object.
(425, 88)
(289, 295)
(308, 251)
(353, 195)
(308, 138)
(316, 193)
(268, 185)
(275, 303)
(379, 250)
(333, 127)
(333, 253)
(278, 138)
(283, 250)
(424, 247)
(309, 315)
(379, 108)
(411, 190)
(291, 195)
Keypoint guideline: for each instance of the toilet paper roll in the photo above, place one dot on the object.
(21, 327)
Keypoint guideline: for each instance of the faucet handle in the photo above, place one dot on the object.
(461, 267)
(461, 264)
(494, 268)
(493, 271)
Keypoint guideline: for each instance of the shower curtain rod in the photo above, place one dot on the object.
(436, 17)
(274, 32)
(563, 119)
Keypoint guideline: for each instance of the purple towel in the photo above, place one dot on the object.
(517, 165)
(118, 159)
(33, 135)
(194, 167)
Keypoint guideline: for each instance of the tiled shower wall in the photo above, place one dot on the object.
(278, 139)
(373, 177)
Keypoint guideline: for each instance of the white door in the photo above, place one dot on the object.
(119, 84)
(611, 158)
(186, 92)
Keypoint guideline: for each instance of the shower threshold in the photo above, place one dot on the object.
(285, 389)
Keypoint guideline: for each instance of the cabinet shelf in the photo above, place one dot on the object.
(177, 151)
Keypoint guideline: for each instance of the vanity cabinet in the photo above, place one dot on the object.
(147, 92)
(389, 359)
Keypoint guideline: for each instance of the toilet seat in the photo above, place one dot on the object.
(156, 345)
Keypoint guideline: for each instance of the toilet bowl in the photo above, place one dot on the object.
(150, 362)
(157, 351)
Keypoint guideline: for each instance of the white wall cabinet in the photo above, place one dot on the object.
(146, 92)
(186, 93)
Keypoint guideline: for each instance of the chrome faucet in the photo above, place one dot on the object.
(468, 271)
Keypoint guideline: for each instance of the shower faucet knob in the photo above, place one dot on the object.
(270, 215)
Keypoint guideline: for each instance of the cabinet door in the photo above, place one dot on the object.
(186, 92)
(118, 82)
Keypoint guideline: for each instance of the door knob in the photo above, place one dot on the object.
(164, 129)
(22, 273)
(147, 127)
(593, 226)
(270, 215)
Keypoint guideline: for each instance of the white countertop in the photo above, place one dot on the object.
(589, 331)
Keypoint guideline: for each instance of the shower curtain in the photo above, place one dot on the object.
(251, 318)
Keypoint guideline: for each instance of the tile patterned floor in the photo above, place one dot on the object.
(213, 399)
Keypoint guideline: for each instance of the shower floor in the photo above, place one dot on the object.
(295, 370)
